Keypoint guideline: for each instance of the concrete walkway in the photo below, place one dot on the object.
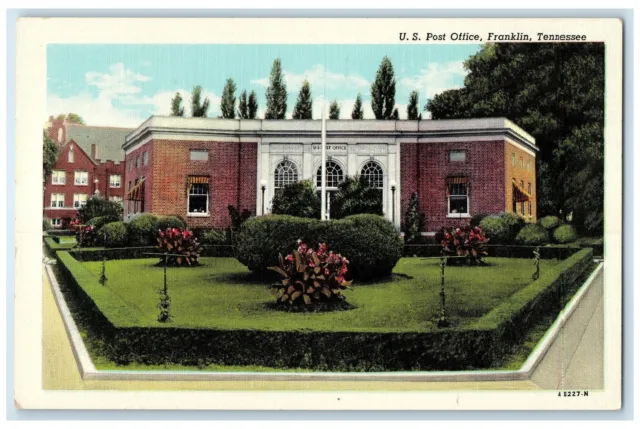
(574, 361)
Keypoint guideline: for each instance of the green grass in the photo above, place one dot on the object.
(66, 244)
(221, 294)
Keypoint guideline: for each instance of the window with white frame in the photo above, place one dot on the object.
(198, 195)
(529, 165)
(58, 177)
(115, 180)
(286, 173)
(79, 200)
(458, 155)
(513, 159)
(521, 162)
(56, 222)
(145, 158)
(458, 197)
(81, 178)
(137, 161)
(71, 155)
(199, 155)
(334, 175)
(57, 200)
(372, 173)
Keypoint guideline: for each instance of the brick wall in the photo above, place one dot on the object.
(425, 167)
(131, 173)
(520, 172)
(56, 130)
(231, 167)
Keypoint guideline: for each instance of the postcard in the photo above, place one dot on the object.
(371, 214)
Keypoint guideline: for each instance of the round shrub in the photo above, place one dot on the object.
(165, 222)
(370, 242)
(114, 234)
(514, 224)
(565, 234)
(212, 237)
(99, 221)
(476, 219)
(549, 222)
(496, 229)
(532, 235)
(142, 230)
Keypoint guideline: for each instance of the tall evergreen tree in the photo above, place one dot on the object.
(228, 101)
(276, 93)
(414, 220)
(49, 155)
(412, 107)
(383, 91)
(303, 109)
(357, 112)
(253, 105)
(555, 92)
(395, 115)
(334, 110)
(176, 105)
(198, 109)
(243, 108)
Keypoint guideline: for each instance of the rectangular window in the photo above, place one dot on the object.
(71, 155)
(58, 177)
(530, 209)
(79, 200)
(129, 201)
(145, 158)
(529, 188)
(199, 155)
(521, 162)
(459, 198)
(81, 178)
(458, 155)
(114, 180)
(57, 200)
(522, 207)
(529, 165)
(137, 161)
(56, 222)
(130, 164)
(135, 202)
(198, 196)
(513, 159)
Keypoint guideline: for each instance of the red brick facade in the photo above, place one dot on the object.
(425, 168)
(231, 168)
(69, 165)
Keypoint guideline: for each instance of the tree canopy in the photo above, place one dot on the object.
(176, 105)
(555, 92)
(334, 110)
(228, 100)
(383, 91)
(49, 155)
(276, 93)
(198, 109)
(72, 118)
(357, 112)
(303, 108)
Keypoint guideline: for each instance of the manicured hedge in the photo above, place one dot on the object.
(478, 346)
(565, 234)
(549, 222)
(114, 234)
(225, 251)
(142, 230)
(165, 222)
(497, 251)
(54, 246)
(532, 235)
(61, 232)
(370, 242)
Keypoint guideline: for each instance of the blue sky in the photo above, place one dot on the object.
(122, 85)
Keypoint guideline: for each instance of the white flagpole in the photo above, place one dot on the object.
(323, 166)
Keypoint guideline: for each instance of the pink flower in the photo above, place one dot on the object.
(289, 258)
(326, 271)
(311, 264)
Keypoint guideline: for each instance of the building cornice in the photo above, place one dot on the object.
(176, 128)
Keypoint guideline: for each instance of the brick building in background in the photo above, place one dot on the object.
(195, 168)
(90, 162)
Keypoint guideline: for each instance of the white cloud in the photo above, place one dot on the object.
(318, 77)
(119, 103)
(436, 78)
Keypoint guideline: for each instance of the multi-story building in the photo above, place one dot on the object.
(196, 167)
(90, 162)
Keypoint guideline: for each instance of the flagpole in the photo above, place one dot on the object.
(323, 167)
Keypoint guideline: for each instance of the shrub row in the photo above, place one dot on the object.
(225, 251)
(497, 251)
(370, 242)
(447, 349)
(508, 228)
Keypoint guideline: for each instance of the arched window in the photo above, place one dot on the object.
(285, 174)
(374, 175)
(334, 175)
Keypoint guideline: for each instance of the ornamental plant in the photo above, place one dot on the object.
(85, 234)
(181, 245)
(467, 241)
(311, 278)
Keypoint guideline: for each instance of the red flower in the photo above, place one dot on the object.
(289, 258)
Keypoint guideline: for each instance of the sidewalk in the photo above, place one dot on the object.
(574, 361)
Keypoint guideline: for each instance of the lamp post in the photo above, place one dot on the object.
(263, 187)
(393, 202)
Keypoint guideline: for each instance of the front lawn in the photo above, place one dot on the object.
(221, 294)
